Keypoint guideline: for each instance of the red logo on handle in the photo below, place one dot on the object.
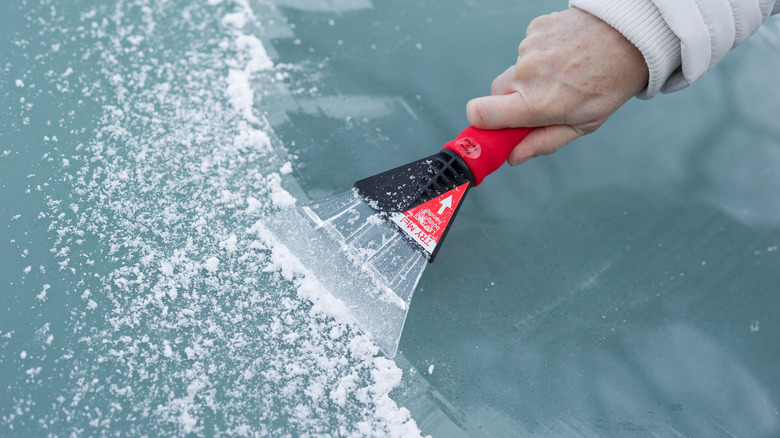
(469, 146)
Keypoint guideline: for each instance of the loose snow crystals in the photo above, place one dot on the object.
(229, 244)
(240, 94)
(236, 19)
(211, 264)
(252, 58)
(386, 375)
(250, 139)
(166, 268)
(253, 205)
(279, 196)
(177, 316)
(254, 53)
(42, 295)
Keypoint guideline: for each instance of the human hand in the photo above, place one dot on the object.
(572, 73)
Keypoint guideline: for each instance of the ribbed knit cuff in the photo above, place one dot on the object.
(641, 22)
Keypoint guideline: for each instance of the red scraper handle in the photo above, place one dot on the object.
(484, 151)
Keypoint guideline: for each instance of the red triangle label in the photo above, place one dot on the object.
(426, 223)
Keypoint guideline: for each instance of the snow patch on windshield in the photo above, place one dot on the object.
(185, 316)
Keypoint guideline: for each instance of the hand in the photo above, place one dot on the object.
(573, 72)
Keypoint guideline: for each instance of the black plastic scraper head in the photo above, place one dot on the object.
(420, 198)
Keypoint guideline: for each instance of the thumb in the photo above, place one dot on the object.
(506, 111)
(543, 141)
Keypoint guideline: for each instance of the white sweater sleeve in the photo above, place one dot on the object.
(681, 40)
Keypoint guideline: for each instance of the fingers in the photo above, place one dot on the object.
(496, 112)
(543, 141)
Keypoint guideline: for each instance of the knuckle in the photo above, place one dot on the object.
(495, 87)
(534, 62)
(536, 24)
(529, 44)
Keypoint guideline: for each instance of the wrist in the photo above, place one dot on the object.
(641, 23)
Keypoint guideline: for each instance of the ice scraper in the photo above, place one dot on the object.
(369, 246)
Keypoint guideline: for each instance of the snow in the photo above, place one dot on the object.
(252, 47)
(280, 197)
(237, 19)
(252, 139)
(240, 94)
(167, 351)
(211, 264)
(386, 375)
(184, 313)
(253, 205)
(135, 39)
(42, 294)
(166, 268)
(229, 244)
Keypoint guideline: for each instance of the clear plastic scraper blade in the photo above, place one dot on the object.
(360, 258)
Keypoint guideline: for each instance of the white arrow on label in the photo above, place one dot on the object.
(445, 204)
